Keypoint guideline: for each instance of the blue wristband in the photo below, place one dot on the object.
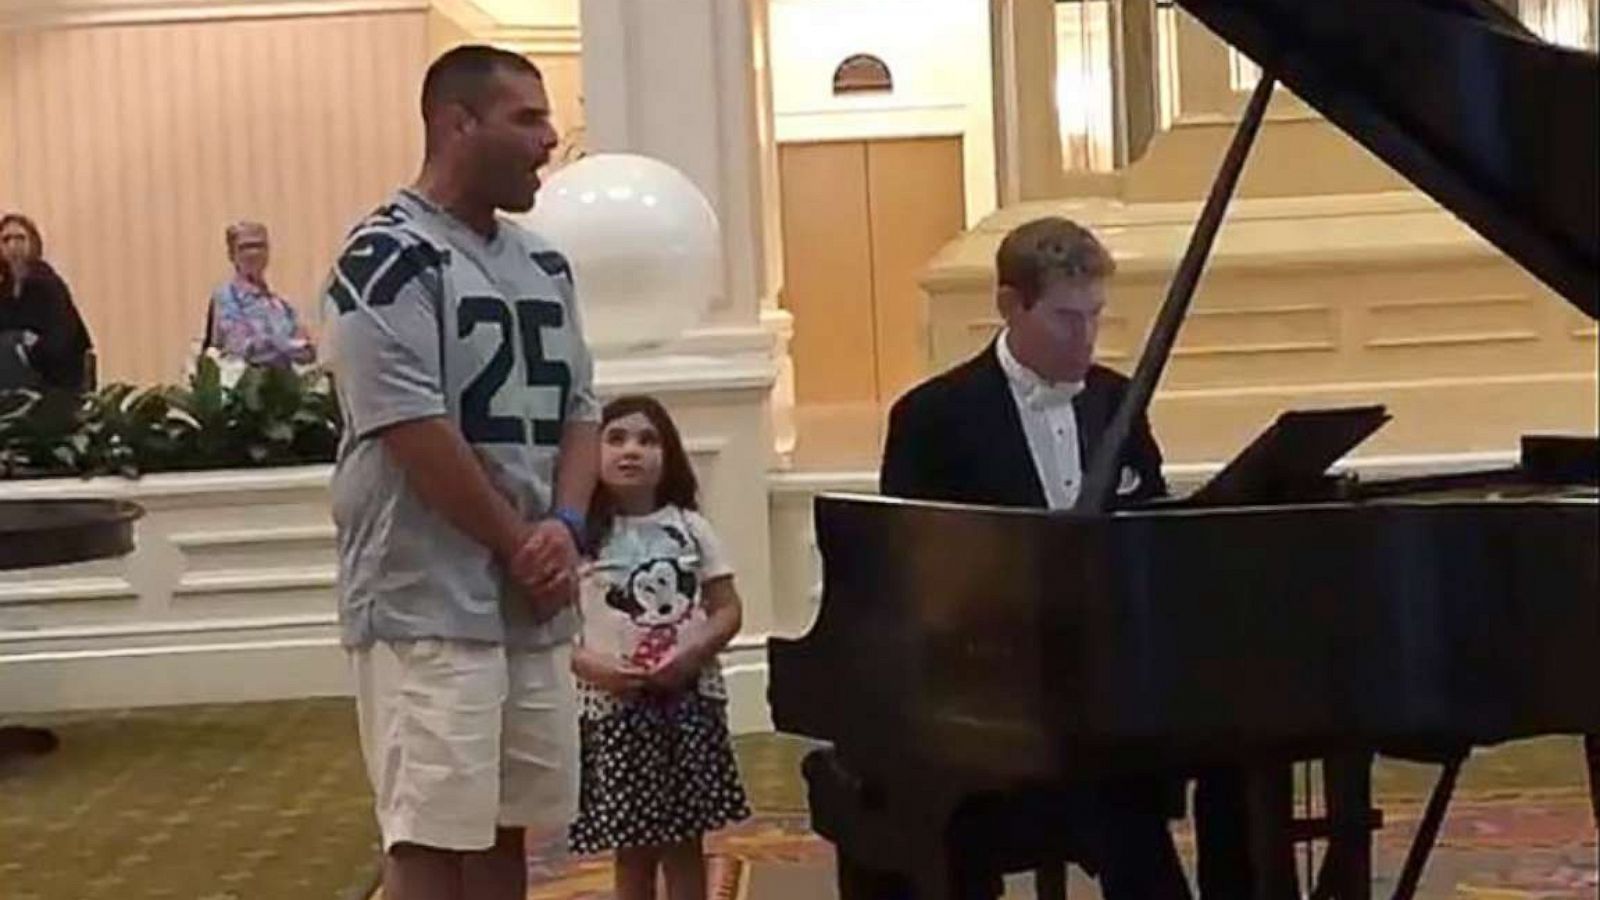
(574, 521)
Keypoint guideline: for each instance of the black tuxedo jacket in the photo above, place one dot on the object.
(958, 438)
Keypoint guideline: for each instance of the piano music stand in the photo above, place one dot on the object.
(36, 533)
(1291, 457)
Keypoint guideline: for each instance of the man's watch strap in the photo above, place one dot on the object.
(574, 521)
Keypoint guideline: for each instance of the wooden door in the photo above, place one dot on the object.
(861, 220)
(827, 277)
(915, 206)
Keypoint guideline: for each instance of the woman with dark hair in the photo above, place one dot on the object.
(40, 330)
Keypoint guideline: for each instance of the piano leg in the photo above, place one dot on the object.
(1050, 881)
(1428, 829)
(883, 828)
(857, 882)
(1222, 834)
(1347, 869)
(1269, 793)
(1591, 749)
(959, 879)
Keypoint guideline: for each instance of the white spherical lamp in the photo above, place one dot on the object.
(644, 246)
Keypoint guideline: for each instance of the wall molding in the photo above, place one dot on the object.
(85, 635)
(249, 581)
(172, 673)
(683, 373)
(67, 590)
(90, 13)
(221, 661)
(539, 40)
(547, 39)
(1303, 235)
(187, 540)
(869, 120)
(199, 485)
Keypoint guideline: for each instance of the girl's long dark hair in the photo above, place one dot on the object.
(678, 485)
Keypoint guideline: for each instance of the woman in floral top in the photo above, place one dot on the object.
(247, 320)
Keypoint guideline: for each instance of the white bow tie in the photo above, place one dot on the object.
(1042, 396)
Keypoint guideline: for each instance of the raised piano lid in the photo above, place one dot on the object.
(1496, 125)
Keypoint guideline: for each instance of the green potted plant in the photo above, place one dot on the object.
(227, 415)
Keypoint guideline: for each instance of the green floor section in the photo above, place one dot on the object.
(264, 800)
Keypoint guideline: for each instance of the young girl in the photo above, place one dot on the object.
(658, 604)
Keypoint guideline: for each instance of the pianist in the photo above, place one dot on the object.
(1014, 426)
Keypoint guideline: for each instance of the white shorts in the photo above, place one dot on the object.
(461, 738)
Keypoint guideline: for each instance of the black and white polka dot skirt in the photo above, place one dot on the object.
(657, 772)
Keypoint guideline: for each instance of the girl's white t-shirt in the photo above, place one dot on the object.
(642, 595)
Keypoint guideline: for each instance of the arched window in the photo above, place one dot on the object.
(862, 73)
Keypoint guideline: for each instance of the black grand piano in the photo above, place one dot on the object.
(967, 653)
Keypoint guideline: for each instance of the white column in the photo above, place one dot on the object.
(1027, 130)
(683, 81)
(677, 81)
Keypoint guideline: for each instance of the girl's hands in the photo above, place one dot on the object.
(620, 679)
(678, 672)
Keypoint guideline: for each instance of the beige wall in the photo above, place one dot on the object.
(563, 81)
(532, 12)
(938, 53)
(134, 144)
(446, 31)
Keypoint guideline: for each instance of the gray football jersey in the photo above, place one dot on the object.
(425, 318)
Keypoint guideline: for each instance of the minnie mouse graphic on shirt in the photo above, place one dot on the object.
(642, 592)
(658, 596)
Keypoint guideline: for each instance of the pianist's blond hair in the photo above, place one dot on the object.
(1035, 255)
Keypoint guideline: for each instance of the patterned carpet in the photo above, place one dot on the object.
(1507, 837)
(268, 801)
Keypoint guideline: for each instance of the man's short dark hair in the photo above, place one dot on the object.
(463, 75)
(1038, 253)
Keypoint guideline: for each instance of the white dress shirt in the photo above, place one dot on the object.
(1051, 426)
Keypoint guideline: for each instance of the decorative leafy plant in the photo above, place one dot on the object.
(227, 416)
